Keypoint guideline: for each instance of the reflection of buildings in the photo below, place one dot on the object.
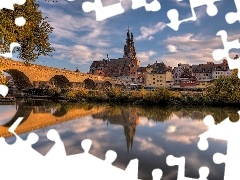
(128, 118)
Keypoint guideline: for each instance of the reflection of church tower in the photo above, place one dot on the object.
(129, 132)
(129, 48)
(130, 128)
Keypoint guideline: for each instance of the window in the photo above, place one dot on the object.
(153, 78)
(157, 80)
(153, 82)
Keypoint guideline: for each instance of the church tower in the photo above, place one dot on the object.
(129, 48)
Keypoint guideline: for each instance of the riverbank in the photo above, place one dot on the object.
(161, 97)
(223, 92)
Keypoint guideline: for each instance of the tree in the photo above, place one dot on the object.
(107, 84)
(33, 37)
(225, 89)
(89, 84)
(3, 79)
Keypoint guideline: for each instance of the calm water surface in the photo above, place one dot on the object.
(147, 133)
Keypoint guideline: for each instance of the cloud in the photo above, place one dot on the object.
(78, 39)
(146, 144)
(75, 29)
(143, 57)
(147, 32)
(144, 121)
(192, 49)
(150, 38)
(172, 48)
(78, 54)
(118, 50)
(177, 131)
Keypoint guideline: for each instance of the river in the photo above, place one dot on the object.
(147, 133)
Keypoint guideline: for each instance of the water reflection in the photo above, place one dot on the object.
(147, 133)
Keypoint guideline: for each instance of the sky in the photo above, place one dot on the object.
(79, 39)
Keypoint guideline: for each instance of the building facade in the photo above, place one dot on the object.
(158, 75)
(126, 70)
(178, 71)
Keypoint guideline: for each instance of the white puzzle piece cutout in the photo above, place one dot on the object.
(231, 135)
(19, 21)
(173, 14)
(232, 17)
(220, 54)
(3, 90)
(180, 162)
(9, 54)
(102, 12)
(153, 6)
(8, 4)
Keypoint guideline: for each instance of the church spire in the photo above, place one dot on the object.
(129, 49)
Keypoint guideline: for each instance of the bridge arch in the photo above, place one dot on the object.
(60, 81)
(20, 79)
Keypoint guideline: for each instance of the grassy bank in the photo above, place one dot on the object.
(161, 96)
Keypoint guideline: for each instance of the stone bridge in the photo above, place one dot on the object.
(25, 76)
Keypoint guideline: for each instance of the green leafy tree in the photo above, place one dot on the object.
(225, 89)
(33, 37)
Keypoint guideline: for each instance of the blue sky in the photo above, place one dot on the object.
(79, 39)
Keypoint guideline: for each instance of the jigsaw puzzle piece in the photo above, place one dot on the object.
(23, 147)
(173, 14)
(231, 161)
(153, 6)
(220, 54)
(203, 143)
(232, 17)
(216, 131)
(232, 158)
(107, 170)
(180, 162)
(157, 174)
(101, 11)
(58, 149)
(12, 45)
(3, 90)
(9, 4)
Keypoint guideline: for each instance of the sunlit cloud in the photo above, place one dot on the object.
(177, 131)
(144, 57)
(148, 32)
(146, 145)
(144, 121)
(192, 49)
(172, 48)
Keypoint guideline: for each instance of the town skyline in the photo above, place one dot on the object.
(79, 39)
